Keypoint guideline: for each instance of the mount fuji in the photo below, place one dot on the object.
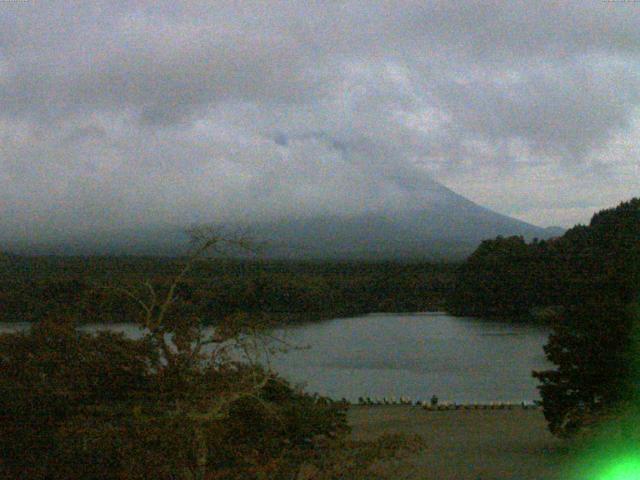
(414, 218)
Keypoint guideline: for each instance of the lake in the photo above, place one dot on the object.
(414, 355)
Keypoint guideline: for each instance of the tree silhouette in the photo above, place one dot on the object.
(594, 339)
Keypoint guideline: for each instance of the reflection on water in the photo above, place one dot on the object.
(414, 355)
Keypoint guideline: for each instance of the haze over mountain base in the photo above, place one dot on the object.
(428, 221)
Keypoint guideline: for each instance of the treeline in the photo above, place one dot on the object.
(509, 277)
(594, 342)
(100, 289)
(588, 281)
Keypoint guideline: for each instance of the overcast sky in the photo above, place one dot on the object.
(131, 112)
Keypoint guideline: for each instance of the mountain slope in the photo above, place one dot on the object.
(421, 219)
(430, 232)
(433, 222)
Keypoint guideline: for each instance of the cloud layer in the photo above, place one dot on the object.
(121, 113)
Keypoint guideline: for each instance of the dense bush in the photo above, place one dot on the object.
(80, 406)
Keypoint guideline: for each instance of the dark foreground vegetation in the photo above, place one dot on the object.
(175, 404)
(79, 406)
(95, 289)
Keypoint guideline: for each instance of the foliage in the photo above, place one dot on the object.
(81, 406)
(286, 291)
(172, 404)
(508, 277)
(497, 280)
(584, 284)
(594, 341)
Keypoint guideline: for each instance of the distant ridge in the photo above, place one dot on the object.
(435, 223)
(427, 233)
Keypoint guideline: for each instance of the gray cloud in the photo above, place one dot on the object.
(129, 112)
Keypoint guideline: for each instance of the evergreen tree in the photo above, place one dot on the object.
(498, 279)
(593, 338)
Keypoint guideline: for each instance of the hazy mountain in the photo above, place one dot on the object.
(424, 220)
(451, 227)
(554, 231)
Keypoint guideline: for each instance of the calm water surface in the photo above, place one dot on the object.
(414, 355)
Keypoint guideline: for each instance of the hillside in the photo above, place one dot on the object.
(422, 220)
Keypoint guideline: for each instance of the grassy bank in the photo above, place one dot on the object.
(467, 444)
